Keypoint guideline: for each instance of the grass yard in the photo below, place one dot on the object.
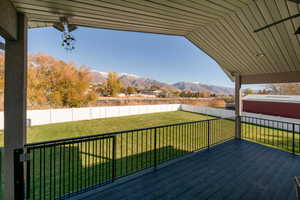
(97, 126)
(272, 137)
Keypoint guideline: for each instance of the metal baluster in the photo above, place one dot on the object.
(40, 173)
(50, 172)
(121, 157)
(208, 134)
(294, 139)
(155, 148)
(33, 173)
(27, 175)
(69, 173)
(114, 153)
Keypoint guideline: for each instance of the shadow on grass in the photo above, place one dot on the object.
(58, 171)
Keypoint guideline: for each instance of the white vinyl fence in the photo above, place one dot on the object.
(39, 117)
(208, 111)
(218, 112)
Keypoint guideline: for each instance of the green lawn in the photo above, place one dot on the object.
(97, 126)
(271, 137)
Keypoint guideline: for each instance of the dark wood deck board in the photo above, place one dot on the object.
(232, 170)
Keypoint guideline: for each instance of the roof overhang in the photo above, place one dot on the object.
(8, 20)
(222, 29)
(283, 77)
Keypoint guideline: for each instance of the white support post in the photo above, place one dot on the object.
(238, 106)
(14, 103)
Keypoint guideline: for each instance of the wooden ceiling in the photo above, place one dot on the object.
(224, 29)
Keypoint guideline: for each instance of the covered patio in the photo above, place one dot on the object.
(231, 170)
(254, 42)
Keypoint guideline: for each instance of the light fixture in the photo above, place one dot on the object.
(68, 41)
(259, 55)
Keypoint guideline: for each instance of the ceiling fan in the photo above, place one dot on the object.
(282, 20)
(64, 24)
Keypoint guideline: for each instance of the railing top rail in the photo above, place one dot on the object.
(73, 139)
(272, 120)
(66, 142)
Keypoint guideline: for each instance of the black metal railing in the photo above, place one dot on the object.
(1, 173)
(278, 134)
(61, 168)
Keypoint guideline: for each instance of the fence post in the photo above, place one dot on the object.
(19, 175)
(155, 148)
(114, 167)
(293, 138)
(208, 130)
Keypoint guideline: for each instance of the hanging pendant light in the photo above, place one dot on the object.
(68, 41)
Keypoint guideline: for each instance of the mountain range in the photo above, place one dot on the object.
(142, 83)
(196, 86)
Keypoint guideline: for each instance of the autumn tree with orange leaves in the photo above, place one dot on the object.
(55, 83)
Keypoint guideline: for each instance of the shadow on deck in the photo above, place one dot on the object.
(232, 170)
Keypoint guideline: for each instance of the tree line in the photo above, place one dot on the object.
(276, 89)
(200, 94)
(113, 86)
(55, 83)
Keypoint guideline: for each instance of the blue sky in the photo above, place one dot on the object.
(165, 58)
(162, 57)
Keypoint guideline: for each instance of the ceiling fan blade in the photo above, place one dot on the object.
(297, 31)
(58, 26)
(72, 27)
(275, 23)
(295, 1)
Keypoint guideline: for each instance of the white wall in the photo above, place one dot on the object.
(39, 117)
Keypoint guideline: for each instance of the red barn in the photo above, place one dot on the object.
(278, 105)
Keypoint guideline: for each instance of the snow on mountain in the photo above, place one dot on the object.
(142, 83)
(197, 87)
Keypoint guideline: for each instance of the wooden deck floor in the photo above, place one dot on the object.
(232, 170)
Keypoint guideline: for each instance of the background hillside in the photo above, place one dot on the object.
(143, 83)
(198, 87)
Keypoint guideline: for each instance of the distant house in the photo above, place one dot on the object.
(278, 105)
(121, 95)
(151, 93)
